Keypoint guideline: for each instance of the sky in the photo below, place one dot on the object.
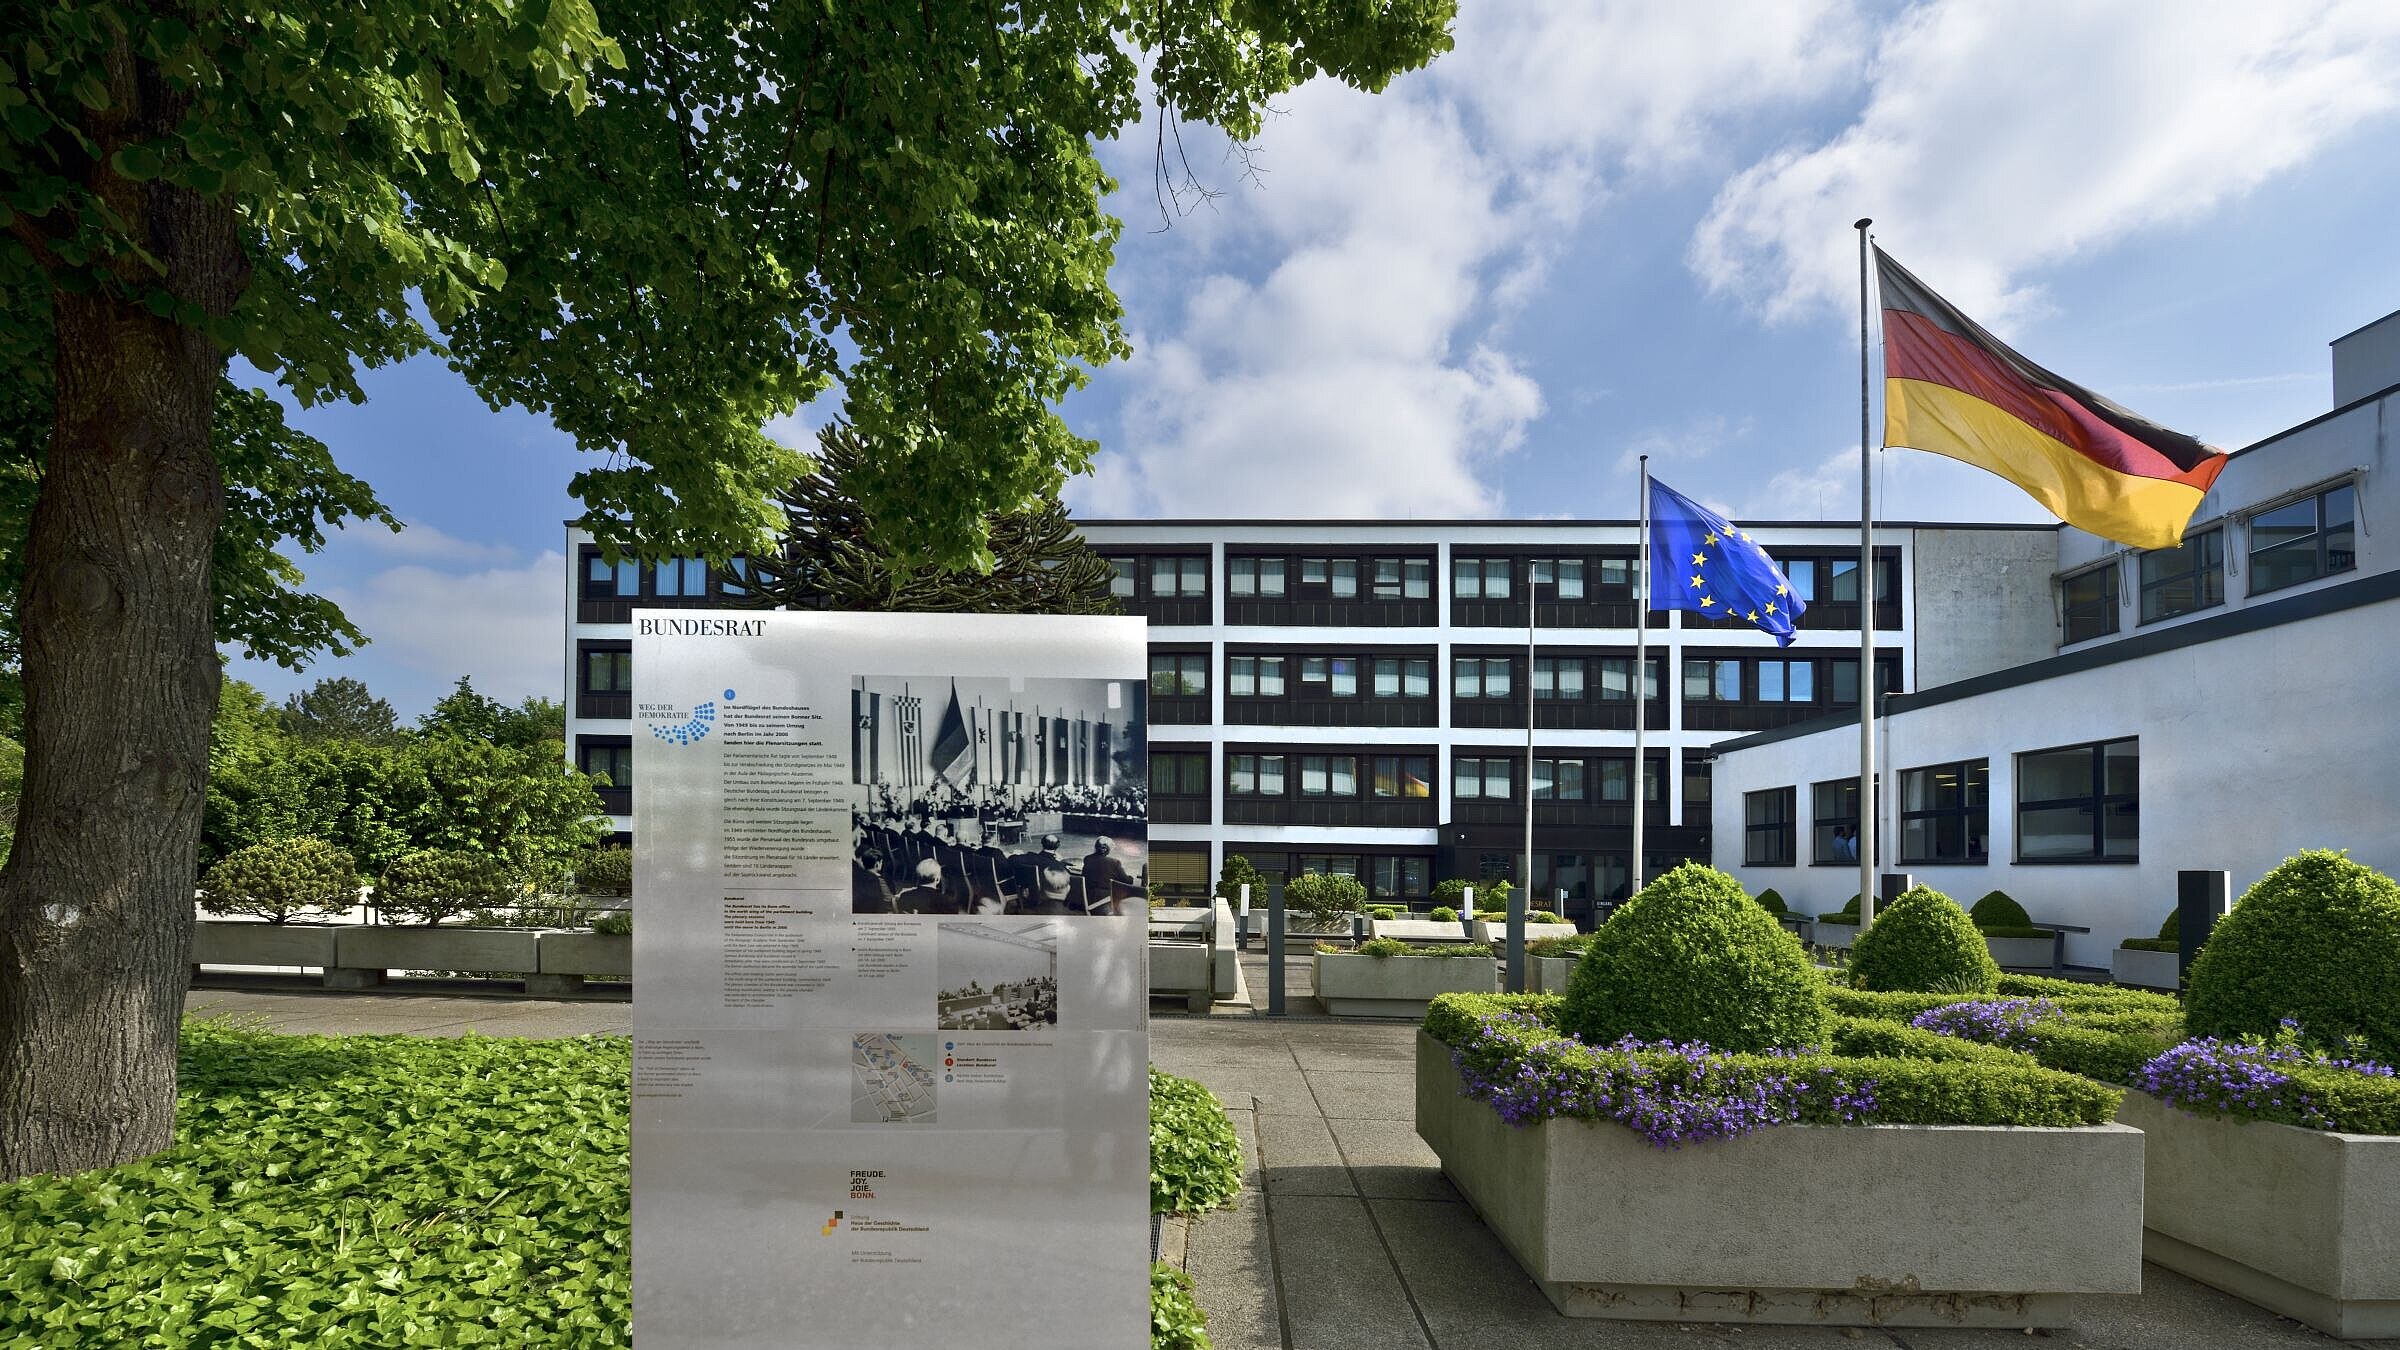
(1596, 229)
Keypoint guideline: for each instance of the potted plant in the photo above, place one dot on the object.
(2016, 942)
(1386, 977)
(275, 881)
(2151, 963)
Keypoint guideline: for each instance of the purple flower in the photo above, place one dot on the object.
(2011, 1022)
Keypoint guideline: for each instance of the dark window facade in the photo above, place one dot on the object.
(1337, 787)
(609, 757)
(1946, 814)
(1767, 827)
(2088, 603)
(2080, 803)
(1363, 590)
(603, 678)
(1179, 687)
(1483, 778)
(1315, 688)
(1179, 773)
(2304, 540)
(610, 592)
(2184, 579)
(1833, 823)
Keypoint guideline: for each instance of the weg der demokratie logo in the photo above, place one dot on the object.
(690, 729)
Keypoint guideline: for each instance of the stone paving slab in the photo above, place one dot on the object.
(1340, 1289)
(1297, 1156)
(1365, 1096)
(1233, 1274)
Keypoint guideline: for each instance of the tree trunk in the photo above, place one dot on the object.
(121, 679)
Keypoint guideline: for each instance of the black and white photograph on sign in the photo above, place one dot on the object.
(997, 977)
(893, 1078)
(998, 796)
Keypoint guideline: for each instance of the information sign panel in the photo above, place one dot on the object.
(890, 1081)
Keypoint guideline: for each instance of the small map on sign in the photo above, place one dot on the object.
(894, 1079)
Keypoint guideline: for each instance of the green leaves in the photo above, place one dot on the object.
(1195, 1157)
(1691, 958)
(1923, 941)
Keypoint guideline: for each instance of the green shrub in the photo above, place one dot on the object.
(1573, 944)
(1382, 947)
(613, 922)
(1236, 872)
(2005, 931)
(2172, 929)
(279, 879)
(1177, 1321)
(2317, 940)
(1452, 893)
(1443, 914)
(605, 871)
(1771, 900)
(1997, 910)
(2151, 945)
(1691, 958)
(1846, 914)
(1451, 1018)
(1923, 941)
(1382, 912)
(1545, 916)
(433, 884)
(1195, 1157)
(1875, 1038)
(1325, 899)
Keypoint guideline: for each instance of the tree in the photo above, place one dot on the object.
(467, 715)
(661, 226)
(829, 557)
(339, 708)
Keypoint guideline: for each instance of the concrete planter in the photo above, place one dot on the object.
(2145, 970)
(1839, 936)
(1427, 930)
(219, 943)
(1398, 986)
(362, 954)
(1876, 1225)
(2303, 1222)
(1184, 970)
(573, 953)
(2022, 953)
(1548, 974)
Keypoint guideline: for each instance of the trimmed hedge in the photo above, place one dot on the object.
(432, 884)
(1692, 958)
(2317, 940)
(1451, 1018)
(1575, 944)
(1388, 947)
(1771, 900)
(1324, 899)
(281, 879)
(1546, 916)
(1443, 914)
(1997, 911)
(1195, 1157)
(1875, 1038)
(1923, 941)
(1382, 912)
(605, 871)
(2152, 945)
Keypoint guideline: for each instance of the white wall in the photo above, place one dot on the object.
(2252, 747)
(1983, 601)
(2366, 361)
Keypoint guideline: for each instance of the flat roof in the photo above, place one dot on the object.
(1496, 523)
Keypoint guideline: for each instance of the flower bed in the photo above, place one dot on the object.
(1802, 1186)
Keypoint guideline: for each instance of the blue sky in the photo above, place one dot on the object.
(1592, 231)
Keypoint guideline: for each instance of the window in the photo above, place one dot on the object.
(2081, 803)
(681, 576)
(1254, 775)
(1122, 574)
(1558, 780)
(1342, 676)
(1564, 576)
(1841, 580)
(1802, 573)
(1345, 578)
(1255, 577)
(1179, 773)
(1842, 674)
(1767, 827)
(1400, 876)
(607, 672)
(1697, 785)
(1403, 578)
(1329, 865)
(1616, 678)
(1616, 574)
(1312, 571)
(1706, 680)
(1479, 676)
(1485, 779)
(2089, 601)
(1402, 776)
(1254, 676)
(1403, 677)
(1328, 775)
(1833, 823)
(1616, 781)
(1480, 578)
(609, 758)
(1787, 681)
(1945, 813)
(735, 579)
(2185, 578)
(1173, 577)
(2314, 537)
(1558, 677)
(1178, 674)
(604, 578)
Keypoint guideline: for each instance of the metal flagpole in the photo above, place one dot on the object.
(1520, 897)
(1641, 671)
(1865, 833)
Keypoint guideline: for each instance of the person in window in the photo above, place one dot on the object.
(1845, 843)
(1105, 880)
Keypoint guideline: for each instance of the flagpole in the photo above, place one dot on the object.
(1521, 898)
(1865, 834)
(1641, 672)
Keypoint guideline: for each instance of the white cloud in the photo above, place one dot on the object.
(1909, 485)
(1329, 342)
(505, 627)
(423, 543)
(2000, 138)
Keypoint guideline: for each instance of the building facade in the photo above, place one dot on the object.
(2216, 706)
(1352, 696)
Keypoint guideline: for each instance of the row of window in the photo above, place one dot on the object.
(668, 578)
(1594, 778)
(1608, 679)
(2298, 542)
(2076, 803)
(1185, 576)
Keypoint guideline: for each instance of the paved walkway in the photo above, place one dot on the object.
(1346, 1236)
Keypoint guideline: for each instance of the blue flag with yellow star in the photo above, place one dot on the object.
(1702, 562)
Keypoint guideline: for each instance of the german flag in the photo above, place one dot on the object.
(1951, 388)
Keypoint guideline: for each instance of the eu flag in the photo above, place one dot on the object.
(1701, 562)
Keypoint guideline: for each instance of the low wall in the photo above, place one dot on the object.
(1398, 986)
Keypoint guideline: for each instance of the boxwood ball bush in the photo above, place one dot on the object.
(1997, 915)
(1443, 914)
(1771, 900)
(432, 884)
(1324, 899)
(1923, 941)
(1693, 958)
(280, 878)
(2317, 940)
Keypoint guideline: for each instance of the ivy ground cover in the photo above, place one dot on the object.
(377, 1191)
